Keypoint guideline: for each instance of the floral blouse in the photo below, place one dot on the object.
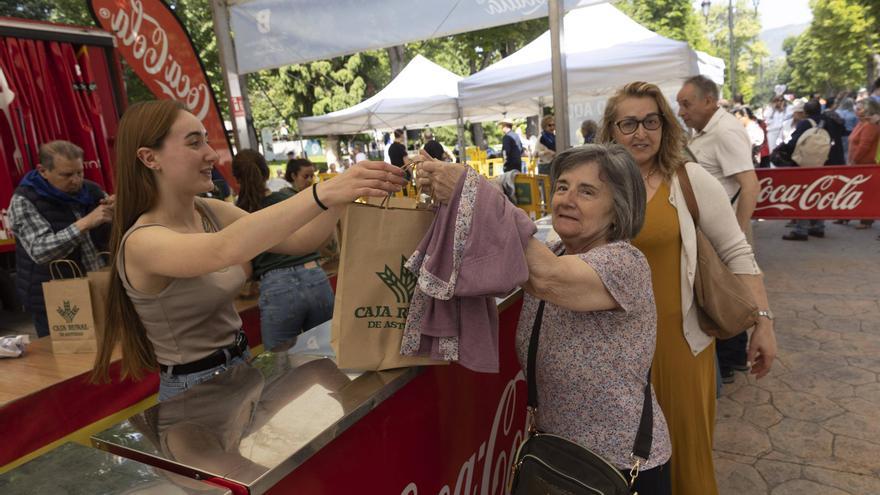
(593, 366)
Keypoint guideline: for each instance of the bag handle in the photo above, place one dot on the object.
(644, 435)
(55, 269)
(685, 182)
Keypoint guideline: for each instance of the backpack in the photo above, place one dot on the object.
(813, 146)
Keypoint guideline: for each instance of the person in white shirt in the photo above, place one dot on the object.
(721, 145)
(276, 183)
(775, 115)
(360, 156)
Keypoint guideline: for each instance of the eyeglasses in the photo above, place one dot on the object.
(651, 122)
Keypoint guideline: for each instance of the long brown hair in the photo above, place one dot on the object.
(144, 124)
(672, 140)
(251, 171)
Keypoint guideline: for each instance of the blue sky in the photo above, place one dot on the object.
(776, 13)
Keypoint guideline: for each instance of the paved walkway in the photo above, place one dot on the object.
(813, 425)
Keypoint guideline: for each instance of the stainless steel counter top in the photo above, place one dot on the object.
(73, 469)
(257, 422)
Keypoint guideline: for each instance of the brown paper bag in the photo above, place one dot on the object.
(406, 202)
(373, 289)
(69, 310)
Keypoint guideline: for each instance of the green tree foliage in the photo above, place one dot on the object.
(674, 19)
(468, 53)
(835, 52)
(749, 51)
(285, 94)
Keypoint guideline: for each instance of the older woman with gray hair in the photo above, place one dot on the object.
(591, 294)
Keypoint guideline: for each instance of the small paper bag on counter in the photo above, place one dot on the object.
(69, 310)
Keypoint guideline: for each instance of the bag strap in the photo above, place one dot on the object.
(685, 182)
(644, 435)
(57, 274)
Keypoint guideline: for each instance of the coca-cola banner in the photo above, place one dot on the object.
(156, 45)
(819, 193)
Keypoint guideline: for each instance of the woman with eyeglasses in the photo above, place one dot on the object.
(683, 372)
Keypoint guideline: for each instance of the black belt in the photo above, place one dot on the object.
(212, 360)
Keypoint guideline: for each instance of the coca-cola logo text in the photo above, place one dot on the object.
(150, 47)
(493, 477)
(829, 192)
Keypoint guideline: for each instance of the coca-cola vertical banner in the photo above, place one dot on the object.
(819, 193)
(156, 45)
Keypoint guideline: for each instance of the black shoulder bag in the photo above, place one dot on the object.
(549, 464)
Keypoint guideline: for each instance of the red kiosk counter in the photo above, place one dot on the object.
(292, 422)
(46, 399)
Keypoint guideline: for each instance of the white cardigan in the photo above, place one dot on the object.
(718, 222)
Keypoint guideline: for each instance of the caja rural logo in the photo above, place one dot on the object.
(402, 283)
(67, 312)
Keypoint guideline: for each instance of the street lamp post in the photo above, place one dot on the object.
(732, 50)
(705, 5)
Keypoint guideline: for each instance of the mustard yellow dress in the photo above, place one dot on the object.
(684, 383)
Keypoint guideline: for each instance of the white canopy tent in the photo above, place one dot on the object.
(604, 49)
(422, 94)
(273, 33)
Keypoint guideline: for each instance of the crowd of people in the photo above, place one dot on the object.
(843, 129)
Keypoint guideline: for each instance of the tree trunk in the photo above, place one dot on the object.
(397, 57)
(478, 137)
(873, 68)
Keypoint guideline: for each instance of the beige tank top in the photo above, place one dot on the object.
(192, 317)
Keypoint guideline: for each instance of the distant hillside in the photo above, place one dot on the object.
(773, 38)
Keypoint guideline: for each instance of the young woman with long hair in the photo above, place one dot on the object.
(295, 294)
(180, 260)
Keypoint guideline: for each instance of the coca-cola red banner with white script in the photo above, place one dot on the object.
(158, 48)
(819, 193)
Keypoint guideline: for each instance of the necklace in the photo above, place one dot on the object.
(650, 173)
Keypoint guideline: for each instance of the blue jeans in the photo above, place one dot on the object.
(293, 300)
(806, 226)
(171, 385)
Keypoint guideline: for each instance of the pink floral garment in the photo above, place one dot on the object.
(593, 366)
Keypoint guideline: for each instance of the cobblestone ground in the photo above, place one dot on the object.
(812, 426)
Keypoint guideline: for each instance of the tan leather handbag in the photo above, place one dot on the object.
(725, 305)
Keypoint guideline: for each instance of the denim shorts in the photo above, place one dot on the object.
(293, 300)
(171, 385)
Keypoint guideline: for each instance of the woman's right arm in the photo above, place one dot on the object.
(566, 281)
(164, 252)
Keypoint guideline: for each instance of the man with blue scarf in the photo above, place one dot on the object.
(56, 214)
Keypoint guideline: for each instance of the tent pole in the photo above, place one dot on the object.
(560, 76)
(239, 105)
(461, 151)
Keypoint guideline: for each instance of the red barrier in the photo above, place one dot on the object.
(819, 193)
(39, 419)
